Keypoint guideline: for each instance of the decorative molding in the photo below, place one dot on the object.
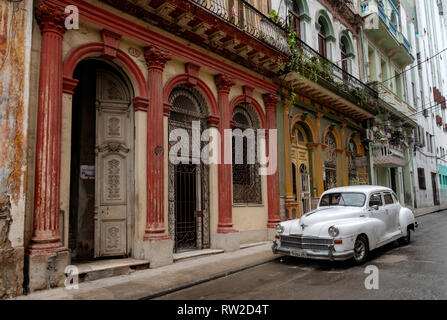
(111, 43)
(224, 83)
(94, 49)
(270, 101)
(140, 104)
(156, 58)
(130, 29)
(69, 84)
(50, 18)
(183, 79)
(166, 109)
(192, 70)
(213, 121)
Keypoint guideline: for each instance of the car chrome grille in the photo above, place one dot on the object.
(299, 242)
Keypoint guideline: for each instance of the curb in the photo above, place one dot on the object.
(426, 214)
(208, 279)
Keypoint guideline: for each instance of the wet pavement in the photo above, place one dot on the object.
(416, 271)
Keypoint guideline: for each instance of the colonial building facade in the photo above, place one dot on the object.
(110, 85)
(105, 100)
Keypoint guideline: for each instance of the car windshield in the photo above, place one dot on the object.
(345, 199)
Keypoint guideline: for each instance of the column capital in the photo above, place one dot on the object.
(156, 58)
(50, 18)
(224, 83)
(270, 101)
(140, 104)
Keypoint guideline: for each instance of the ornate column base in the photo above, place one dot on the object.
(226, 241)
(40, 265)
(271, 223)
(159, 252)
(155, 232)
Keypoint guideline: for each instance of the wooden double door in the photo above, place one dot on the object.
(102, 165)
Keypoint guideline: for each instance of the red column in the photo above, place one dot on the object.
(270, 101)
(46, 236)
(155, 229)
(225, 222)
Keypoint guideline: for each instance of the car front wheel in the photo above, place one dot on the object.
(405, 240)
(361, 250)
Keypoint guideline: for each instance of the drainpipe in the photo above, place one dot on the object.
(50, 263)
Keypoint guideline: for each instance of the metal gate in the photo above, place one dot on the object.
(186, 201)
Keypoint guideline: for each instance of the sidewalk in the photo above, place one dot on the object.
(423, 211)
(155, 282)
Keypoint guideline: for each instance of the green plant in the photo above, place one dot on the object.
(273, 15)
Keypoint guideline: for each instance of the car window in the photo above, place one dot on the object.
(388, 198)
(395, 198)
(375, 197)
(346, 199)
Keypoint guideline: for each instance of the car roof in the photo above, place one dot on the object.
(361, 188)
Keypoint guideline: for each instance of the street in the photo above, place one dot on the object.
(416, 271)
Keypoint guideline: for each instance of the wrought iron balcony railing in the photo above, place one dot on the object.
(274, 31)
(387, 155)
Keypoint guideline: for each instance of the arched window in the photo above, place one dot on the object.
(246, 179)
(295, 18)
(322, 40)
(344, 55)
(330, 162)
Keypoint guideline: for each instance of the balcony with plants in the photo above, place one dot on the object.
(387, 96)
(382, 25)
(299, 65)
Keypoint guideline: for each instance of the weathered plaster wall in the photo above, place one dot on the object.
(15, 45)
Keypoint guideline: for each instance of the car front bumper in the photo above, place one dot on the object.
(329, 254)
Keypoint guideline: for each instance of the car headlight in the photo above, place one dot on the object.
(279, 229)
(333, 231)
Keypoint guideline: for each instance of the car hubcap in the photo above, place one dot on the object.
(359, 250)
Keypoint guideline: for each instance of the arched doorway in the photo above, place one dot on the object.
(300, 169)
(102, 163)
(188, 182)
(330, 162)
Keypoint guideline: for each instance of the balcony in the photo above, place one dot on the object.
(236, 30)
(322, 78)
(389, 97)
(381, 26)
(386, 155)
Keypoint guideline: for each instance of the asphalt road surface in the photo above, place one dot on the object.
(416, 271)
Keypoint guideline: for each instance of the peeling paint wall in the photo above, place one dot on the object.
(15, 48)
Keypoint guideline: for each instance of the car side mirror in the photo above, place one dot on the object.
(375, 207)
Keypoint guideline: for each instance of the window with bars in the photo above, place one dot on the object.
(421, 178)
(246, 179)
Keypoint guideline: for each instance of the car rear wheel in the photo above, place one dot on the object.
(405, 240)
(361, 250)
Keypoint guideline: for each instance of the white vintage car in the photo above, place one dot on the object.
(348, 223)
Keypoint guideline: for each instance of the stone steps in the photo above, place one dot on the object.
(99, 269)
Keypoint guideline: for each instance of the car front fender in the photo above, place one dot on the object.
(354, 227)
(406, 219)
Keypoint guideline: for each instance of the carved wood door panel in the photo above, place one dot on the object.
(114, 143)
